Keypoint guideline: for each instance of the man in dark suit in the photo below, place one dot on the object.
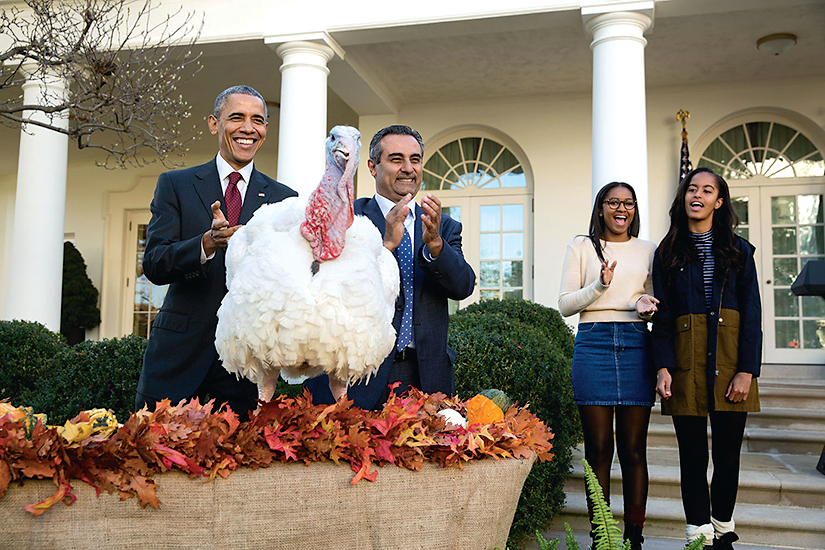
(194, 214)
(428, 245)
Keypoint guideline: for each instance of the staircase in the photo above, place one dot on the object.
(781, 500)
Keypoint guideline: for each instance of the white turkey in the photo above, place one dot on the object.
(311, 288)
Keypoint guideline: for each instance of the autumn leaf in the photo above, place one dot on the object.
(5, 477)
(144, 488)
(64, 491)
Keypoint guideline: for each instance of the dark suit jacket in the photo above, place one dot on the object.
(448, 276)
(182, 341)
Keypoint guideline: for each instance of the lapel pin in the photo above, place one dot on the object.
(260, 194)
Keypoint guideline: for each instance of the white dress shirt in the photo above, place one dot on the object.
(224, 169)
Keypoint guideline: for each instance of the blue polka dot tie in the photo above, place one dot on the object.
(405, 262)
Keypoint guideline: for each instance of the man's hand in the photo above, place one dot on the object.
(394, 230)
(663, 381)
(432, 225)
(739, 387)
(218, 236)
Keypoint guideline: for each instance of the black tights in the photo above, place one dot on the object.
(727, 429)
(631, 441)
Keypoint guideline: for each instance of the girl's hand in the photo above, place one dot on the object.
(607, 272)
(663, 380)
(739, 387)
(646, 305)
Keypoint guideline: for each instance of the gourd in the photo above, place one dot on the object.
(499, 398)
(482, 410)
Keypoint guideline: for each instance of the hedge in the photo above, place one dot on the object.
(525, 350)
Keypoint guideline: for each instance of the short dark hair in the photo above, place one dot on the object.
(220, 101)
(394, 130)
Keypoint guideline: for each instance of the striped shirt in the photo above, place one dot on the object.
(704, 246)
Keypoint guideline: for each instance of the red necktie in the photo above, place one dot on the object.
(233, 199)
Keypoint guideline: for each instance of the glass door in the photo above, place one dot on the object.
(143, 299)
(793, 231)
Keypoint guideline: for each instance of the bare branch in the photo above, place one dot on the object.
(122, 61)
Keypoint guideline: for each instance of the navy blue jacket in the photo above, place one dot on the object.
(682, 296)
(447, 276)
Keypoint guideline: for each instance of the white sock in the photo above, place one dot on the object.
(722, 527)
(693, 532)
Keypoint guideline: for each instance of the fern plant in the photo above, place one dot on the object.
(608, 535)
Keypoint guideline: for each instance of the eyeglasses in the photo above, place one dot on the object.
(629, 204)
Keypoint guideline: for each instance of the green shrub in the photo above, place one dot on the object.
(91, 375)
(26, 351)
(525, 350)
(78, 308)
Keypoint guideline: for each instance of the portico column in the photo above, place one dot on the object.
(36, 261)
(619, 106)
(303, 125)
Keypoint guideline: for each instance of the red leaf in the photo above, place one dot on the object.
(64, 491)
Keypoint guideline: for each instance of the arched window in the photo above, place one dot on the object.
(473, 161)
(483, 181)
(768, 149)
(773, 161)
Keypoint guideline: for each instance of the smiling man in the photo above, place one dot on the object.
(427, 246)
(194, 214)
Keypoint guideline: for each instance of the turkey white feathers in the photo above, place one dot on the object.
(279, 316)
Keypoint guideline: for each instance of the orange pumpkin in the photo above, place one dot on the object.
(482, 410)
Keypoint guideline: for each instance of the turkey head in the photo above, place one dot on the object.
(329, 210)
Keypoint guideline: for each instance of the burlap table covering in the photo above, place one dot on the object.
(285, 506)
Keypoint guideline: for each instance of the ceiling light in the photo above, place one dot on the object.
(776, 44)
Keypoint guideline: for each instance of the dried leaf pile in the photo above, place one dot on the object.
(193, 439)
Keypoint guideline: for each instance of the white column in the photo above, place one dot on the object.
(303, 126)
(36, 270)
(619, 107)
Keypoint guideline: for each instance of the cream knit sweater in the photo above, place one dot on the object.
(582, 290)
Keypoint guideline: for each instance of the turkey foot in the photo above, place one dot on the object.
(338, 388)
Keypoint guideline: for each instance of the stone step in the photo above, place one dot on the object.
(780, 480)
(756, 440)
(809, 420)
(805, 394)
(785, 526)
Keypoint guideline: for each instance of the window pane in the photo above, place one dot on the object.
(513, 294)
(490, 274)
(490, 218)
(505, 162)
(489, 150)
(783, 209)
(513, 245)
(142, 296)
(139, 325)
(718, 152)
(811, 166)
(780, 136)
(512, 274)
(811, 240)
(787, 334)
(490, 246)
(158, 294)
(513, 217)
(437, 166)
(471, 147)
(735, 137)
(489, 295)
(740, 206)
(813, 306)
(742, 232)
(814, 334)
(801, 147)
(515, 178)
(784, 271)
(784, 240)
(453, 211)
(810, 209)
(785, 303)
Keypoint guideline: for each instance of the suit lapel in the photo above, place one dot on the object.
(372, 211)
(257, 193)
(208, 186)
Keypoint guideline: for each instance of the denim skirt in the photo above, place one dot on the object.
(610, 365)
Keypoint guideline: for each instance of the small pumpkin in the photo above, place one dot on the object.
(499, 398)
(482, 410)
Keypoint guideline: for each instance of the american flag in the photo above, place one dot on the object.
(684, 165)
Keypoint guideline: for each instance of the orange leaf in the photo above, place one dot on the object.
(64, 491)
